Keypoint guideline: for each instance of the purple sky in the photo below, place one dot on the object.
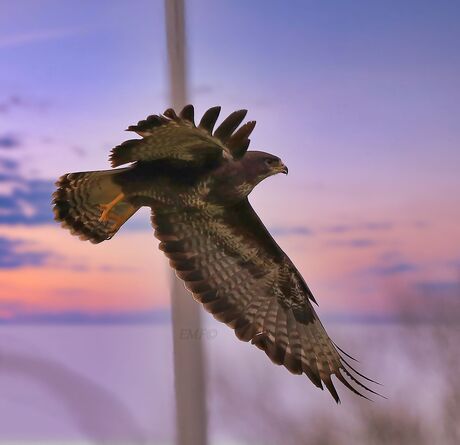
(360, 99)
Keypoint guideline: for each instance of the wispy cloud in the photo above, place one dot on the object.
(25, 201)
(382, 225)
(293, 230)
(19, 102)
(354, 243)
(339, 228)
(22, 315)
(367, 226)
(28, 200)
(22, 200)
(441, 288)
(12, 256)
(79, 151)
(8, 165)
(420, 224)
(8, 41)
(9, 142)
(361, 242)
(394, 268)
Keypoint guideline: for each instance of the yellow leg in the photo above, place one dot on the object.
(119, 220)
(106, 208)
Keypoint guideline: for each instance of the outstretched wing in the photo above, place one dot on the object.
(232, 265)
(177, 137)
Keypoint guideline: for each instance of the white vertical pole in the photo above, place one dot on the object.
(187, 339)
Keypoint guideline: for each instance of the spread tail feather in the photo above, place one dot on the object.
(79, 203)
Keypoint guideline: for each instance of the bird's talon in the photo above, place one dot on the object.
(106, 208)
(105, 211)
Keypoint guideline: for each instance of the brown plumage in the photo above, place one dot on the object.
(196, 182)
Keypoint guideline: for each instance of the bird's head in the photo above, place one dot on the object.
(259, 165)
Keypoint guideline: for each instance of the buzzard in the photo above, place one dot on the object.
(197, 181)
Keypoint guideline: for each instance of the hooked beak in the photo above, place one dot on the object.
(283, 169)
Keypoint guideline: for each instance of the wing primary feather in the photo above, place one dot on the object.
(361, 384)
(239, 142)
(188, 114)
(308, 358)
(350, 387)
(258, 314)
(308, 291)
(357, 372)
(239, 150)
(293, 360)
(302, 315)
(311, 297)
(330, 386)
(171, 114)
(314, 378)
(244, 131)
(311, 371)
(281, 342)
(273, 323)
(230, 124)
(209, 119)
(343, 352)
(145, 126)
(121, 154)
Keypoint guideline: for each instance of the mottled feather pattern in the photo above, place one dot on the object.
(77, 200)
(187, 143)
(244, 300)
(196, 181)
(176, 137)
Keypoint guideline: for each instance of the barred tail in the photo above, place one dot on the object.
(79, 201)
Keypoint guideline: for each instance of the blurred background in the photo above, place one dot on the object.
(360, 99)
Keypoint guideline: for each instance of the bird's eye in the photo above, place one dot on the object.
(269, 161)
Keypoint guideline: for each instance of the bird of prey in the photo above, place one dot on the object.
(196, 182)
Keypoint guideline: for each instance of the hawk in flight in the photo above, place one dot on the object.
(197, 181)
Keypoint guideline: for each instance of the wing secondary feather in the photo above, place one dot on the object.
(232, 265)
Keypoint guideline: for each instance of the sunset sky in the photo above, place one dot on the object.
(360, 100)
